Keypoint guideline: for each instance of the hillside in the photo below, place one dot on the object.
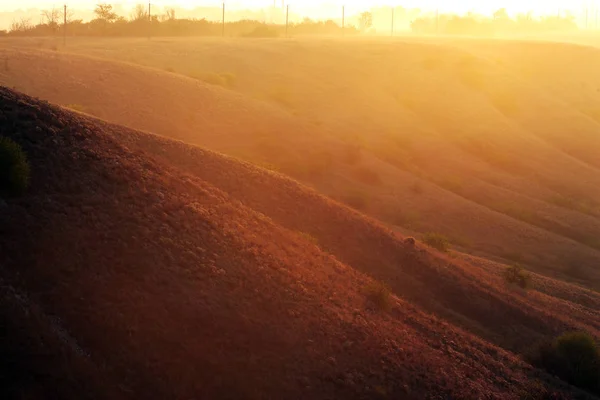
(136, 266)
(464, 138)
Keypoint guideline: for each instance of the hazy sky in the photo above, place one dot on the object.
(539, 6)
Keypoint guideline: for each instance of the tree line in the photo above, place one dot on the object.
(141, 23)
(499, 23)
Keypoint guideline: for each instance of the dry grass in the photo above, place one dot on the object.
(197, 273)
(485, 101)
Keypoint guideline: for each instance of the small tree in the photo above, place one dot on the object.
(140, 13)
(52, 18)
(105, 12)
(22, 25)
(365, 21)
(14, 168)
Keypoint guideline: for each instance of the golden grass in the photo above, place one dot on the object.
(459, 114)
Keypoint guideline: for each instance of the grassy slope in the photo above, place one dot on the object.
(457, 139)
(154, 283)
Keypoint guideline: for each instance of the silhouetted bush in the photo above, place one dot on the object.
(437, 241)
(14, 168)
(380, 295)
(574, 357)
(516, 275)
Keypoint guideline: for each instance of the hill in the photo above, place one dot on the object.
(457, 137)
(136, 266)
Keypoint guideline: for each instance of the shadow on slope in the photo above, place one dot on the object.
(491, 178)
(179, 290)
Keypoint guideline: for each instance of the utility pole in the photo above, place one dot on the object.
(149, 20)
(287, 19)
(586, 17)
(343, 20)
(392, 20)
(65, 25)
(223, 21)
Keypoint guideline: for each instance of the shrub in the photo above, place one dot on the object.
(14, 168)
(437, 241)
(574, 357)
(516, 275)
(380, 295)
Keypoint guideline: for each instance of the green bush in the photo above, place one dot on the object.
(380, 295)
(14, 168)
(437, 241)
(573, 357)
(515, 274)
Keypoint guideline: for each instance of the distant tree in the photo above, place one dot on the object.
(105, 12)
(170, 14)
(105, 15)
(69, 16)
(365, 21)
(501, 14)
(52, 18)
(140, 13)
(22, 25)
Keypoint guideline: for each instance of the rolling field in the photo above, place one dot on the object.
(245, 210)
(486, 142)
(126, 275)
